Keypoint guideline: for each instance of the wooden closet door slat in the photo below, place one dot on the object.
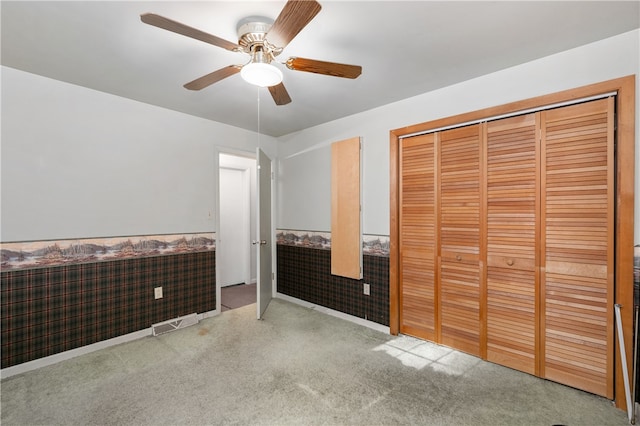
(417, 237)
(459, 201)
(512, 276)
(577, 246)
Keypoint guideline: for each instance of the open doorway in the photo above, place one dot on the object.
(236, 262)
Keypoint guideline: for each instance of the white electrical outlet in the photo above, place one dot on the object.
(367, 289)
(157, 292)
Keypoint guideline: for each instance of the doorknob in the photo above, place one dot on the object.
(261, 242)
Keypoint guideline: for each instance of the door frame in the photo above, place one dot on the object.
(237, 153)
(624, 198)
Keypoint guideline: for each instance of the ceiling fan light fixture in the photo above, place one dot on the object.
(261, 74)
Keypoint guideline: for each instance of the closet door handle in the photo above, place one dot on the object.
(259, 242)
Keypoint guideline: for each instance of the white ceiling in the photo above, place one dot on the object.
(404, 47)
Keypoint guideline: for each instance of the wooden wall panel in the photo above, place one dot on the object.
(459, 218)
(346, 228)
(417, 237)
(577, 246)
(512, 232)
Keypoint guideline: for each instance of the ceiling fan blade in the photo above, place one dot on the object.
(279, 94)
(295, 15)
(214, 77)
(177, 27)
(322, 67)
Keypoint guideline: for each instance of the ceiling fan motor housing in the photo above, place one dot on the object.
(251, 33)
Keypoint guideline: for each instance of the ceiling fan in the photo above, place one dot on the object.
(263, 41)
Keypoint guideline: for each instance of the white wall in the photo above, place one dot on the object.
(77, 163)
(305, 177)
(298, 209)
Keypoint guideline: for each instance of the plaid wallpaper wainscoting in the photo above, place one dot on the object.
(305, 273)
(49, 310)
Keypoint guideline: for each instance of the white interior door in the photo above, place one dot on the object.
(233, 227)
(263, 243)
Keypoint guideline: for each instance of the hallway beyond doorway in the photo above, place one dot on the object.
(236, 296)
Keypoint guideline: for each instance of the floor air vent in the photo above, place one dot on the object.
(174, 324)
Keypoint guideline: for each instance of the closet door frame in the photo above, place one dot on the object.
(624, 197)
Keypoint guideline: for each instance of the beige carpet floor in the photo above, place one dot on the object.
(295, 367)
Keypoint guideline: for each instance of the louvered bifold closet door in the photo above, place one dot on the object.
(577, 245)
(459, 195)
(512, 277)
(417, 236)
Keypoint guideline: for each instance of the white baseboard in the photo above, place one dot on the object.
(63, 356)
(338, 314)
(208, 314)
